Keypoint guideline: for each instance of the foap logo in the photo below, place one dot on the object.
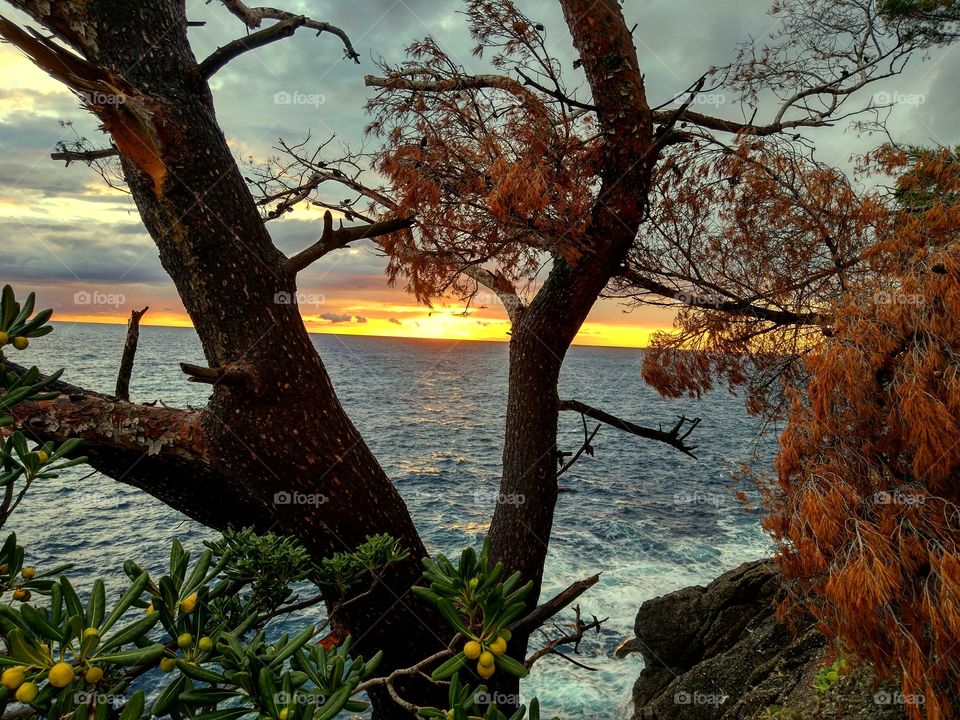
(698, 498)
(495, 698)
(893, 298)
(708, 99)
(100, 699)
(689, 298)
(884, 497)
(684, 697)
(287, 699)
(95, 501)
(97, 298)
(298, 498)
(302, 299)
(299, 98)
(487, 498)
(895, 697)
(101, 98)
(898, 98)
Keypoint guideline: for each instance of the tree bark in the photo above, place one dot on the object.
(520, 533)
(277, 426)
(282, 433)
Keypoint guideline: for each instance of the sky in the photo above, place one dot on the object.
(82, 247)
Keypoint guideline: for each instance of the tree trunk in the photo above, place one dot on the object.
(276, 431)
(520, 532)
(274, 427)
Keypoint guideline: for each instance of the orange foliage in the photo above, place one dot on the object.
(757, 242)
(866, 509)
(497, 175)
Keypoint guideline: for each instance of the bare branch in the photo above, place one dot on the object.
(222, 55)
(129, 353)
(87, 156)
(332, 239)
(253, 17)
(399, 81)
(673, 437)
(539, 615)
(745, 308)
(236, 375)
(503, 288)
(574, 638)
(585, 448)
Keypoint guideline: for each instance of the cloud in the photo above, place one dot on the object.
(336, 317)
(360, 319)
(395, 321)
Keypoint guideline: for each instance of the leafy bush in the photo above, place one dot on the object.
(202, 632)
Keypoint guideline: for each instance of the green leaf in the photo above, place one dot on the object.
(450, 667)
(40, 624)
(133, 710)
(196, 672)
(451, 616)
(508, 664)
(133, 593)
(225, 714)
(166, 700)
(26, 650)
(198, 574)
(97, 604)
(295, 643)
(70, 597)
(138, 656)
(131, 632)
(207, 696)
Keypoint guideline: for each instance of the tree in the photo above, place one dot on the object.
(546, 179)
(865, 508)
(207, 634)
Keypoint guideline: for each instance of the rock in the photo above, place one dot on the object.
(630, 645)
(718, 653)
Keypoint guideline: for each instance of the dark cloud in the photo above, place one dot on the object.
(336, 317)
(677, 40)
(360, 319)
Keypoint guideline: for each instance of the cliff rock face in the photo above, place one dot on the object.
(718, 653)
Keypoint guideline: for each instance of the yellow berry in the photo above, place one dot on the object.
(60, 675)
(21, 594)
(4, 569)
(283, 714)
(484, 671)
(4, 338)
(188, 604)
(12, 678)
(20, 342)
(93, 675)
(184, 640)
(42, 456)
(167, 664)
(506, 634)
(150, 609)
(498, 646)
(472, 649)
(28, 573)
(27, 692)
(486, 658)
(205, 644)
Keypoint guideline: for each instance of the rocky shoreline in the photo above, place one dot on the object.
(718, 653)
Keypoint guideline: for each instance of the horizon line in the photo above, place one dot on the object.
(147, 323)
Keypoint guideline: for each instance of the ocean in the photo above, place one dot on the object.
(649, 518)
